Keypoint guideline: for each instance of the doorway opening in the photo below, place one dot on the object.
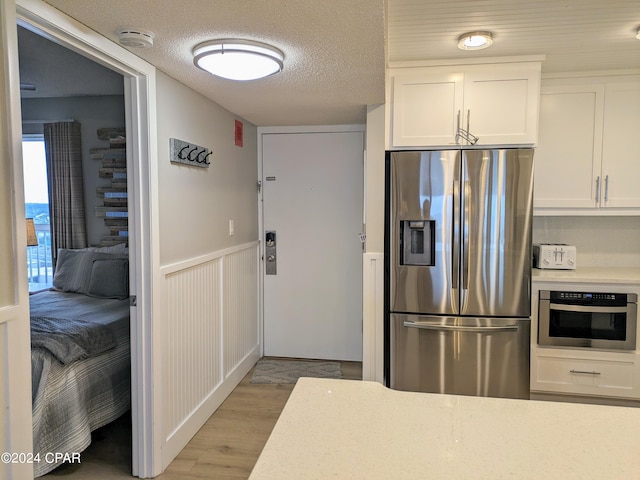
(139, 83)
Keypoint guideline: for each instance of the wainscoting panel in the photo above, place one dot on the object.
(193, 367)
(373, 317)
(210, 329)
(240, 307)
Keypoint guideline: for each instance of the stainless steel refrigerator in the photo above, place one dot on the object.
(459, 271)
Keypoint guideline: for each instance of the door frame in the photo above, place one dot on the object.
(141, 128)
(292, 130)
(16, 416)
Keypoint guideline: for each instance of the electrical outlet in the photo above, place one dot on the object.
(231, 227)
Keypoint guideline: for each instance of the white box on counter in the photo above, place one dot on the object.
(555, 256)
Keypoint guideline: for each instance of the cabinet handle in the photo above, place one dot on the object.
(458, 129)
(581, 372)
(606, 188)
(468, 120)
(598, 189)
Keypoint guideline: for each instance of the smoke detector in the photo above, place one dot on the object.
(135, 37)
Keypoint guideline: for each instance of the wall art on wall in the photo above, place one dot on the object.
(189, 153)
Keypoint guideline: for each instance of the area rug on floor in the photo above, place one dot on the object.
(288, 371)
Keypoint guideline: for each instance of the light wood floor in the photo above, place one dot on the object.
(226, 447)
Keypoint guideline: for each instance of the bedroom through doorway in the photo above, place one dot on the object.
(59, 86)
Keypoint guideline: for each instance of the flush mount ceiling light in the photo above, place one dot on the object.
(475, 40)
(238, 59)
(638, 34)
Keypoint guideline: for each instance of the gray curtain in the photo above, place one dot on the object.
(66, 191)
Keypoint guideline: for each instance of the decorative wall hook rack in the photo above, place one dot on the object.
(189, 153)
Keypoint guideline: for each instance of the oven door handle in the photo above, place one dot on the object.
(587, 309)
(459, 328)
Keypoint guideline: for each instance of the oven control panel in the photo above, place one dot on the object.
(591, 298)
(585, 296)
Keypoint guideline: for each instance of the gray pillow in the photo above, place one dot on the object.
(118, 248)
(73, 269)
(109, 279)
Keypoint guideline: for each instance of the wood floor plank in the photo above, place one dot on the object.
(228, 444)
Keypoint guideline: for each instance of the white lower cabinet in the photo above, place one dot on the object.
(559, 372)
(591, 374)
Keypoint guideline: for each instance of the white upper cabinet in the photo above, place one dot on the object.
(586, 162)
(426, 109)
(620, 181)
(568, 155)
(444, 107)
(501, 107)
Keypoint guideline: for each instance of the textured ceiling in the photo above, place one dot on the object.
(335, 49)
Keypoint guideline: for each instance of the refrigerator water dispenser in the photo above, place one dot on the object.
(417, 242)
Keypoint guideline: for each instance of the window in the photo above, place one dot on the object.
(36, 197)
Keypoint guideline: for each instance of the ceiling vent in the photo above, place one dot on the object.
(134, 37)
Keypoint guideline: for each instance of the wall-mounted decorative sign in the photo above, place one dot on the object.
(112, 190)
(189, 153)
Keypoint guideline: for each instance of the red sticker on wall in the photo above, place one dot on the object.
(238, 133)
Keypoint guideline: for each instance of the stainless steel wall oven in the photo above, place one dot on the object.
(587, 319)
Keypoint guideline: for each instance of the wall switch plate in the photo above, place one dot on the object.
(231, 227)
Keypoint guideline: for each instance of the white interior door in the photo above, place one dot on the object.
(312, 199)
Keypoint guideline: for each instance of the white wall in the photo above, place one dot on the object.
(93, 112)
(600, 240)
(373, 258)
(196, 204)
(207, 324)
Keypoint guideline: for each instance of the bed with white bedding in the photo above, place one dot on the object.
(80, 355)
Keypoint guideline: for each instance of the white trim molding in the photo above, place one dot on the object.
(373, 317)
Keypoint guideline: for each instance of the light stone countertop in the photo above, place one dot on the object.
(346, 429)
(589, 275)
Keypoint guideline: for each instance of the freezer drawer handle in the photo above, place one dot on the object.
(584, 373)
(458, 328)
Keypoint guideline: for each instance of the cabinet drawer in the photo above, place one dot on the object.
(585, 376)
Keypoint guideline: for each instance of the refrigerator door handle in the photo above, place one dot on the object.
(465, 236)
(459, 328)
(455, 250)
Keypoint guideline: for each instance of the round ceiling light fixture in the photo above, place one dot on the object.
(638, 34)
(135, 37)
(475, 40)
(238, 59)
